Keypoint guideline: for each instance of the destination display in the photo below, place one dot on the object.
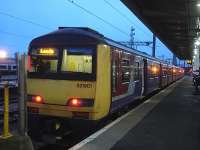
(45, 52)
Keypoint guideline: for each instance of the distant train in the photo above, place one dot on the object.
(78, 74)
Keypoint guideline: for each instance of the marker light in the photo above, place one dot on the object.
(80, 102)
(37, 99)
(75, 102)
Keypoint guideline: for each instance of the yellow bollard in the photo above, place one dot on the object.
(6, 134)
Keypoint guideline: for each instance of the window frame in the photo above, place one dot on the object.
(59, 75)
(77, 54)
(126, 66)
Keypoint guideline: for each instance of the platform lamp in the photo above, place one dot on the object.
(3, 54)
(196, 54)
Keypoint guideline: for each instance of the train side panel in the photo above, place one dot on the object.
(169, 75)
(164, 75)
(152, 77)
(126, 78)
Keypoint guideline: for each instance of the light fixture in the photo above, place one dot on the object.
(3, 54)
(198, 4)
(197, 43)
(195, 51)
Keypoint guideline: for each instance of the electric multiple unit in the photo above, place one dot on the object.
(77, 73)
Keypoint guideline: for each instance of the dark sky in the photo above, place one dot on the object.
(22, 20)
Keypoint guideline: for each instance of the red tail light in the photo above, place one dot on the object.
(80, 102)
(37, 99)
(75, 102)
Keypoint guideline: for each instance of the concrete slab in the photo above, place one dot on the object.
(173, 125)
(16, 143)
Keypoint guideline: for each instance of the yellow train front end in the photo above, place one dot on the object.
(73, 97)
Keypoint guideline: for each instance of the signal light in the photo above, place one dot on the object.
(37, 99)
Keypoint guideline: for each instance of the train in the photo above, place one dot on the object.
(78, 74)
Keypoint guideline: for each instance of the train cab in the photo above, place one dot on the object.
(68, 70)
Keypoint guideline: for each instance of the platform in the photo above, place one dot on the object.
(169, 120)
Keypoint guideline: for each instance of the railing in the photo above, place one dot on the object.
(6, 134)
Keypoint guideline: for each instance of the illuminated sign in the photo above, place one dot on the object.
(189, 62)
(47, 51)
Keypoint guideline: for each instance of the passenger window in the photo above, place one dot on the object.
(114, 75)
(125, 70)
(43, 65)
(169, 71)
(150, 73)
(154, 70)
(136, 71)
(164, 71)
(76, 61)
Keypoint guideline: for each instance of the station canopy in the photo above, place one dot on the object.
(175, 22)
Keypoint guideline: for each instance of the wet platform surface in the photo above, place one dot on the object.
(168, 121)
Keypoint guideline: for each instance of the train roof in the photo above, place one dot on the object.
(82, 35)
(69, 35)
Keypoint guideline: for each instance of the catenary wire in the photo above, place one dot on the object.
(123, 15)
(103, 20)
(24, 20)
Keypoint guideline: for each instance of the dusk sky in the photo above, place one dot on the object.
(23, 20)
